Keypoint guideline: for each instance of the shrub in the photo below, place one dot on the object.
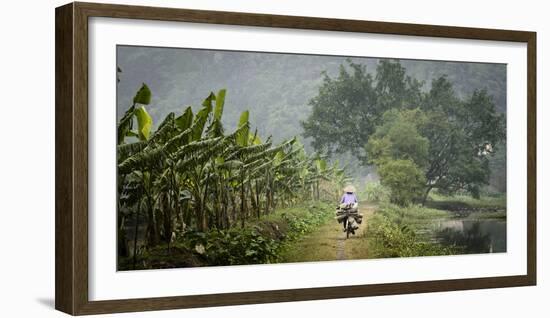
(375, 192)
(236, 246)
(404, 179)
(303, 224)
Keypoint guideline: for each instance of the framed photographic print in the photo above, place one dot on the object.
(211, 158)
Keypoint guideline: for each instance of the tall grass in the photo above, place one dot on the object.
(375, 192)
(391, 232)
(493, 201)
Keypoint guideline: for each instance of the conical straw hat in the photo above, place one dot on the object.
(349, 188)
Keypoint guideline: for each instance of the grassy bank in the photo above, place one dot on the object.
(261, 241)
(486, 207)
(396, 231)
(392, 232)
(459, 203)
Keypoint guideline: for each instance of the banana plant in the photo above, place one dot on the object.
(190, 172)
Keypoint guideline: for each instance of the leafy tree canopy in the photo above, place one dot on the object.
(398, 137)
(404, 179)
(390, 117)
(349, 107)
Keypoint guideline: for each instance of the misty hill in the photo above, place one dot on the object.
(275, 87)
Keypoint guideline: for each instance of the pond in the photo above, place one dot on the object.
(475, 235)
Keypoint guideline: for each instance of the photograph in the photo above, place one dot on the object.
(275, 159)
(243, 158)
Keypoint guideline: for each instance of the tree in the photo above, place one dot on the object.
(400, 153)
(344, 111)
(389, 117)
(192, 174)
(124, 129)
(463, 135)
(347, 109)
(398, 137)
(404, 179)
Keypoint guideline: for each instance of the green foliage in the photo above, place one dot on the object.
(410, 214)
(348, 108)
(143, 96)
(125, 125)
(242, 137)
(390, 117)
(184, 121)
(390, 239)
(486, 207)
(144, 123)
(350, 95)
(220, 101)
(463, 136)
(274, 87)
(400, 153)
(394, 88)
(200, 119)
(392, 232)
(398, 137)
(234, 246)
(256, 243)
(486, 201)
(303, 224)
(404, 180)
(376, 192)
(190, 175)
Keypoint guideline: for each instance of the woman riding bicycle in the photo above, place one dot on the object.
(349, 198)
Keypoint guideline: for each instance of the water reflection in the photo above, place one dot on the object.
(475, 236)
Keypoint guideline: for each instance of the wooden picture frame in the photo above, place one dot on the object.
(71, 122)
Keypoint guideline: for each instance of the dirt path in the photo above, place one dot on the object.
(341, 247)
(329, 242)
(355, 246)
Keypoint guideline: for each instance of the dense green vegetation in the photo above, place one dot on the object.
(190, 181)
(260, 241)
(392, 233)
(216, 184)
(418, 140)
(276, 88)
(374, 192)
